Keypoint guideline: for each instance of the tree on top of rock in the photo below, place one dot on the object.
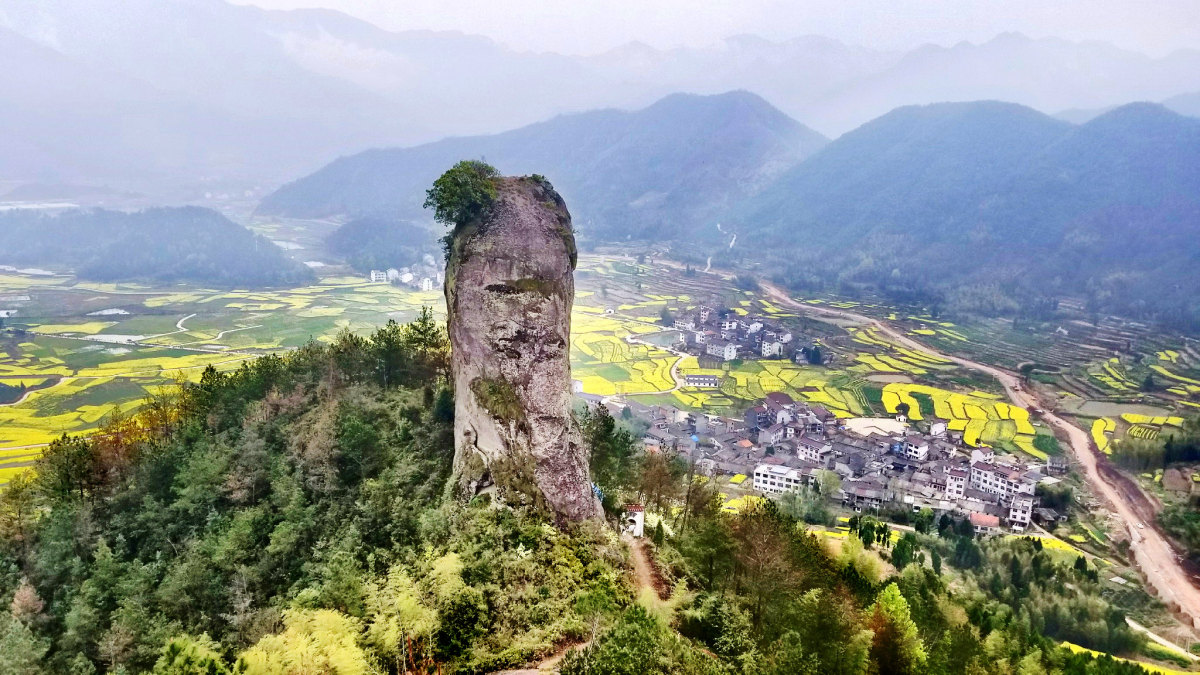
(464, 193)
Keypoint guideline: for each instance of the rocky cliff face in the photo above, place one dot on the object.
(509, 289)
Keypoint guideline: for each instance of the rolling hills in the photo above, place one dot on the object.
(667, 169)
(163, 245)
(934, 197)
(982, 205)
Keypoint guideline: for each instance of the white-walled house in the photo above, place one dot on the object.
(722, 349)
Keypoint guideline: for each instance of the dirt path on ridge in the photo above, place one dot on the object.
(644, 578)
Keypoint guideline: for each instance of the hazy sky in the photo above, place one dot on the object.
(585, 26)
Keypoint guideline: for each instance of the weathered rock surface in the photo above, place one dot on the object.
(509, 289)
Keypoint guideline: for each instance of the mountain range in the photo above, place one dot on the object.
(927, 200)
(956, 198)
(657, 172)
(195, 90)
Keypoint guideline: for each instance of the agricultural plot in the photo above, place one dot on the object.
(982, 420)
(76, 384)
(123, 341)
(607, 364)
(886, 357)
(1102, 430)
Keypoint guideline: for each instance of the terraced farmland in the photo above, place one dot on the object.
(982, 419)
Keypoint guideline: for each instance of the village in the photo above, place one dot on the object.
(880, 464)
(781, 445)
(424, 276)
(723, 335)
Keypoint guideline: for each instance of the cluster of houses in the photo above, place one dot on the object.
(424, 277)
(724, 336)
(882, 463)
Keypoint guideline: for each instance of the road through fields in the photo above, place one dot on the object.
(1152, 553)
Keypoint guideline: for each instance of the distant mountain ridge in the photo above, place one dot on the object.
(147, 94)
(667, 169)
(960, 201)
(948, 195)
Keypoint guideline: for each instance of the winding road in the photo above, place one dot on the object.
(679, 356)
(1152, 553)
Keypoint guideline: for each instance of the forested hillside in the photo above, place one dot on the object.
(665, 171)
(989, 206)
(162, 245)
(291, 517)
(379, 243)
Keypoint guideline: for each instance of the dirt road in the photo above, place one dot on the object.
(1153, 554)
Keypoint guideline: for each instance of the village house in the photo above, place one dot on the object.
(956, 482)
(868, 493)
(985, 524)
(771, 435)
(722, 349)
(913, 446)
(1002, 480)
(1020, 511)
(702, 381)
(813, 450)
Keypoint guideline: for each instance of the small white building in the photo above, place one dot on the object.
(702, 381)
(426, 284)
(722, 349)
(770, 349)
(633, 521)
(378, 277)
(685, 323)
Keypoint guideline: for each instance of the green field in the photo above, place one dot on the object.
(87, 348)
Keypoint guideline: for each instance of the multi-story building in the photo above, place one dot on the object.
(813, 450)
(914, 447)
(770, 349)
(1020, 511)
(775, 480)
(956, 482)
(722, 349)
(999, 479)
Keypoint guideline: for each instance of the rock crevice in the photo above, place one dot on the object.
(509, 290)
